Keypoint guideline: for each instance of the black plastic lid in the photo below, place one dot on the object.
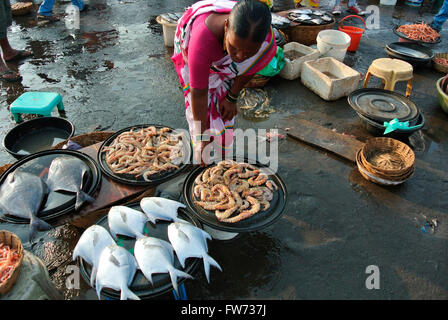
(382, 105)
(411, 50)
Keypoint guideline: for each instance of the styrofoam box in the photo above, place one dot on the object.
(292, 69)
(330, 78)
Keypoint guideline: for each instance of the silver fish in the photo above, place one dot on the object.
(190, 241)
(21, 195)
(318, 13)
(66, 173)
(326, 18)
(90, 246)
(157, 208)
(157, 256)
(316, 21)
(116, 270)
(302, 11)
(304, 17)
(126, 221)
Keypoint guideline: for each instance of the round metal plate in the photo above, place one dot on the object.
(56, 204)
(257, 222)
(139, 181)
(382, 105)
(411, 50)
(140, 285)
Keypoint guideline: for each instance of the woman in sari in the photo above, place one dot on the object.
(219, 46)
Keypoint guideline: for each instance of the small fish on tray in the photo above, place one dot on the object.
(171, 17)
(301, 11)
(326, 18)
(317, 21)
(318, 13)
(278, 20)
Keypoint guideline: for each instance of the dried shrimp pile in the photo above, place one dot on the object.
(144, 152)
(235, 191)
(419, 31)
(9, 259)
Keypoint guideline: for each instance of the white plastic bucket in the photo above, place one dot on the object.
(388, 2)
(333, 43)
(169, 29)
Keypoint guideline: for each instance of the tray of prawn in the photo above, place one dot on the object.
(418, 32)
(237, 195)
(144, 155)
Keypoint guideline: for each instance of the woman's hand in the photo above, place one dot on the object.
(201, 157)
(228, 110)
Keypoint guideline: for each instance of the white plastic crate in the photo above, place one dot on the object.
(330, 78)
(298, 53)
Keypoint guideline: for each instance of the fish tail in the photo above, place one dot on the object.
(37, 224)
(174, 273)
(98, 287)
(93, 276)
(207, 262)
(82, 197)
(128, 294)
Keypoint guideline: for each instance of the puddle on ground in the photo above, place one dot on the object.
(100, 39)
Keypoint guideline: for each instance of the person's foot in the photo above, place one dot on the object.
(8, 75)
(86, 7)
(438, 29)
(336, 10)
(356, 9)
(17, 55)
(47, 18)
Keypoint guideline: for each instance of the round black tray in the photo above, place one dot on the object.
(55, 204)
(130, 179)
(257, 222)
(140, 285)
(401, 35)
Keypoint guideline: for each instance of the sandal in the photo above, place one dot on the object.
(21, 54)
(16, 79)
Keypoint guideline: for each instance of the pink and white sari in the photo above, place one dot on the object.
(222, 72)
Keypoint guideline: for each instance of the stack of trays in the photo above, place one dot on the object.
(386, 161)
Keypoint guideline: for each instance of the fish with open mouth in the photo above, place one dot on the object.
(126, 221)
(90, 246)
(157, 208)
(116, 270)
(66, 173)
(21, 195)
(190, 241)
(157, 256)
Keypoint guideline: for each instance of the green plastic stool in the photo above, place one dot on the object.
(41, 103)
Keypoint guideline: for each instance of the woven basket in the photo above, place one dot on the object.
(438, 66)
(387, 156)
(374, 178)
(258, 81)
(87, 139)
(21, 8)
(13, 242)
(306, 34)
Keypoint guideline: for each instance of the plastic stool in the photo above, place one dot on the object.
(41, 103)
(391, 71)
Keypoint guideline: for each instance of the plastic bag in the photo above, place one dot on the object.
(275, 65)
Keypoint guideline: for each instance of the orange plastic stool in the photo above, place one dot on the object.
(391, 71)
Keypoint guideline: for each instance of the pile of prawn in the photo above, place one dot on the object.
(9, 259)
(144, 152)
(419, 31)
(234, 191)
(442, 61)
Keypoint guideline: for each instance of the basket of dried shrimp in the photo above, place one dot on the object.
(21, 8)
(11, 256)
(440, 62)
(377, 178)
(388, 157)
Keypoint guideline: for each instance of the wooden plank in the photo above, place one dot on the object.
(323, 138)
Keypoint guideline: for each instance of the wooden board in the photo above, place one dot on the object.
(323, 138)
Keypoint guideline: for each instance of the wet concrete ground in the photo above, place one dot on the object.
(115, 72)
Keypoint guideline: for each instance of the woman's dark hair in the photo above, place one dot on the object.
(250, 19)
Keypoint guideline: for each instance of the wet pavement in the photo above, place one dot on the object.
(115, 72)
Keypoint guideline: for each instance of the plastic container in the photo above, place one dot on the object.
(388, 2)
(329, 78)
(169, 29)
(333, 43)
(355, 33)
(293, 67)
(443, 97)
